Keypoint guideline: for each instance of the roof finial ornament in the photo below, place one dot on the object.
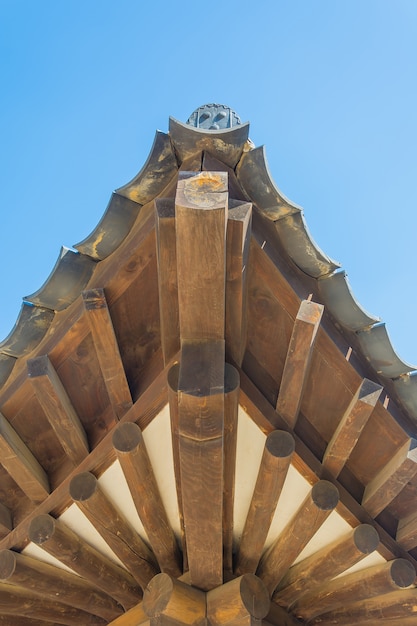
(214, 117)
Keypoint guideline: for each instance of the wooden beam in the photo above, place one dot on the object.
(350, 427)
(58, 408)
(167, 276)
(135, 616)
(275, 462)
(56, 584)
(201, 217)
(21, 464)
(237, 255)
(312, 513)
(170, 601)
(242, 600)
(201, 435)
(17, 601)
(231, 406)
(297, 363)
(6, 521)
(137, 469)
(172, 379)
(407, 532)
(107, 349)
(60, 541)
(397, 605)
(370, 582)
(113, 527)
(326, 563)
(18, 620)
(388, 483)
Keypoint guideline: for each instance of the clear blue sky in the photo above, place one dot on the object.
(329, 86)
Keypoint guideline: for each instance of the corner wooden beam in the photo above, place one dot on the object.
(231, 406)
(242, 600)
(21, 464)
(275, 462)
(397, 605)
(297, 362)
(201, 218)
(15, 601)
(370, 582)
(137, 469)
(388, 483)
(113, 527)
(350, 427)
(237, 255)
(317, 506)
(58, 408)
(167, 276)
(56, 584)
(107, 349)
(60, 541)
(326, 563)
(169, 601)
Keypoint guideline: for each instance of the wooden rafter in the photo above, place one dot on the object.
(137, 469)
(350, 427)
(275, 462)
(326, 563)
(62, 543)
(407, 532)
(168, 601)
(58, 408)
(21, 464)
(298, 359)
(6, 522)
(56, 584)
(244, 600)
(388, 483)
(313, 512)
(113, 527)
(231, 406)
(107, 349)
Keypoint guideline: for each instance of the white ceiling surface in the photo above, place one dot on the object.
(250, 444)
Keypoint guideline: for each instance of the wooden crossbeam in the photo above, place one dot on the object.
(237, 255)
(275, 462)
(15, 601)
(56, 584)
(350, 426)
(201, 435)
(397, 605)
(134, 460)
(21, 464)
(169, 601)
(388, 483)
(19, 620)
(297, 362)
(370, 582)
(312, 513)
(407, 532)
(326, 563)
(6, 521)
(59, 540)
(201, 218)
(231, 406)
(244, 600)
(167, 277)
(113, 527)
(107, 349)
(58, 408)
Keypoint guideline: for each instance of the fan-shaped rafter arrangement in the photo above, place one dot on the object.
(200, 435)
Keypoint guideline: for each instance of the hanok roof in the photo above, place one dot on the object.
(196, 392)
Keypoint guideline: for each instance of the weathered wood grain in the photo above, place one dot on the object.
(407, 532)
(237, 601)
(174, 602)
(231, 406)
(276, 459)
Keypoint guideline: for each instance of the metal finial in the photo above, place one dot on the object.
(214, 117)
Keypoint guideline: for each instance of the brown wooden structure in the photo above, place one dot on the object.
(197, 425)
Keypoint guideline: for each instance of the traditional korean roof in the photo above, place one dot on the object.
(194, 406)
